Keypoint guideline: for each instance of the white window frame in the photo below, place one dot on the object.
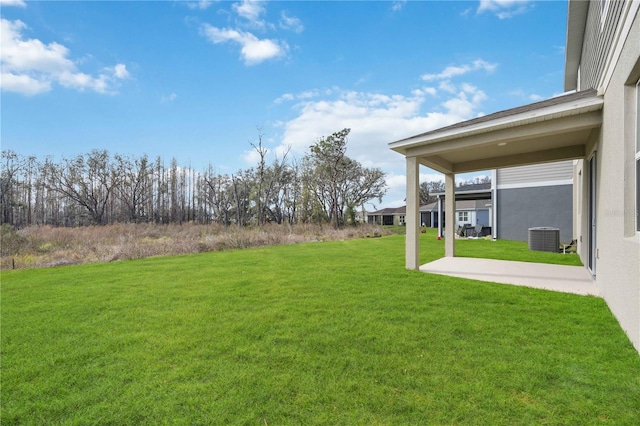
(401, 219)
(463, 216)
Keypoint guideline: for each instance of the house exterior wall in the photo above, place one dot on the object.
(534, 196)
(598, 40)
(522, 208)
(617, 244)
(536, 175)
(483, 217)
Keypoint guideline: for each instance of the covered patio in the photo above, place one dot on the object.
(560, 278)
(561, 128)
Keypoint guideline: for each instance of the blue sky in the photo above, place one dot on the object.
(196, 80)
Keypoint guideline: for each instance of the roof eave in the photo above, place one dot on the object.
(575, 107)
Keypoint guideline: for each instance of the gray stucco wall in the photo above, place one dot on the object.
(522, 208)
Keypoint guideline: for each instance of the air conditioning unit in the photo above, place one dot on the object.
(544, 239)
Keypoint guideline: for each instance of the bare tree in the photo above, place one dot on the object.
(134, 192)
(259, 196)
(429, 188)
(219, 195)
(12, 165)
(87, 180)
(241, 183)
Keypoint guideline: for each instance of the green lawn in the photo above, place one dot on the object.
(321, 333)
(510, 250)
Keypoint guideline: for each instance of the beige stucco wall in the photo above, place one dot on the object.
(618, 246)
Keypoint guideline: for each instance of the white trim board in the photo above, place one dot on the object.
(536, 184)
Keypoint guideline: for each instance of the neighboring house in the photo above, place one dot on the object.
(595, 126)
(519, 198)
(388, 216)
(473, 207)
(468, 213)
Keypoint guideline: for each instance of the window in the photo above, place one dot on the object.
(604, 8)
(401, 220)
(463, 216)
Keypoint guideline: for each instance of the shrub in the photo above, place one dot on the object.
(11, 241)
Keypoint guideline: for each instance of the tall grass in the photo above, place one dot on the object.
(41, 246)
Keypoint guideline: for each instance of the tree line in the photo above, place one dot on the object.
(325, 186)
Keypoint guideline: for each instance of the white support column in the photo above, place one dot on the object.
(450, 209)
(440, 216)
(412, 238)
(494, 203)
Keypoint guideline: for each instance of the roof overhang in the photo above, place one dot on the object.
(552, 130)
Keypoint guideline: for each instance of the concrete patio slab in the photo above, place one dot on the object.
(562, 278)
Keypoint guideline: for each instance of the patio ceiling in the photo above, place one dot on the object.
(552, 130)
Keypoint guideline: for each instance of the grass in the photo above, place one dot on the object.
(317, 333)
(512, 250)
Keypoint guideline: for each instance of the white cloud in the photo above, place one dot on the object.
(455, 71)
(23, 84)
(302, 96)
(432, 91)
(19, 3)
(396, 193)
(521, 94)
(249, 9)
(398, 5)
(30, 67)
(120, 71)
(465, 104)
(169, 98)
(290, 23)
(81, 81)
(447, 86)
(253, 49)
(284, 98)
(376, 120)
(504, 9)
(199, 5)
(252, 11)
(251, 157)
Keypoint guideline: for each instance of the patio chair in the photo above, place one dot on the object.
(569, 247)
